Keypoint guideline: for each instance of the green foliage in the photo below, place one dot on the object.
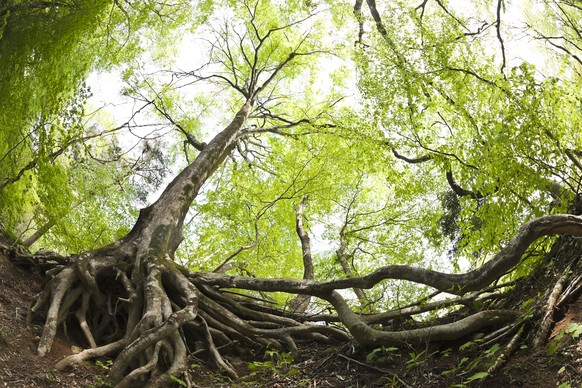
(484, 360)
(415, 359)
(477, 376)
(101, 382)
(104, 365)
(50, 182)
(278, 364)
(575, 331)
(180, 382)
(380, 354)
(501, 136)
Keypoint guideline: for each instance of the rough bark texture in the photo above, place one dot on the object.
(301, 302)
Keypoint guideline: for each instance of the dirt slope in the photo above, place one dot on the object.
(19, 364)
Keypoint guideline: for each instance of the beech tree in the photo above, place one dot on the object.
(364, 170)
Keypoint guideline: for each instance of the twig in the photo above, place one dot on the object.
(499, 334)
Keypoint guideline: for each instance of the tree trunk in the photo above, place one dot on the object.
(136, 278)
(343, 260)
(300, 303)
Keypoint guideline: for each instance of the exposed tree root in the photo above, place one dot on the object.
(458, 284)
(507, 351)
(149, 314)
(549, 309)
(365, 335)
(134, 312)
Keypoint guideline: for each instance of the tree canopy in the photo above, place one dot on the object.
(285, 151)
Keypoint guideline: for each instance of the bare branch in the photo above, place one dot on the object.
(499, 37)
(360, 19)
(55, 154)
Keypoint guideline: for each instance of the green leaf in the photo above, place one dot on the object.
(179, 381)
(477, 376)
(575, 329)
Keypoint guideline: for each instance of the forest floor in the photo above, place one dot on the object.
(316, 366)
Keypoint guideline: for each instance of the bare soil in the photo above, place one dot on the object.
(19, 364)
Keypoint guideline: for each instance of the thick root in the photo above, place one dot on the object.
(134, 313)
(146, 313)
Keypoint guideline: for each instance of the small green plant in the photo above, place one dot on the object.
(3, 337)
(102, 382)
(485, 359)
(467, 345)
(380, 354)
(390, 381)
(475, 377)
(219, 379)
(51, 377)
(105, 365)
(574, 329)
(279, 364)
(181, 382)
(414, 359)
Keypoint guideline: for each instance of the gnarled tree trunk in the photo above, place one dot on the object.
(129, 297)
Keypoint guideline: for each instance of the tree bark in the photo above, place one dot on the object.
(300, 303)
(161, 223)
(152, 298)
(342, 259)
(457, 284)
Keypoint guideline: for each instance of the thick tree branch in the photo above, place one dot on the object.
(164, 219)
(360, 19)
(461, 192)
(417, 160)
(458, 284)
(341, 254)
